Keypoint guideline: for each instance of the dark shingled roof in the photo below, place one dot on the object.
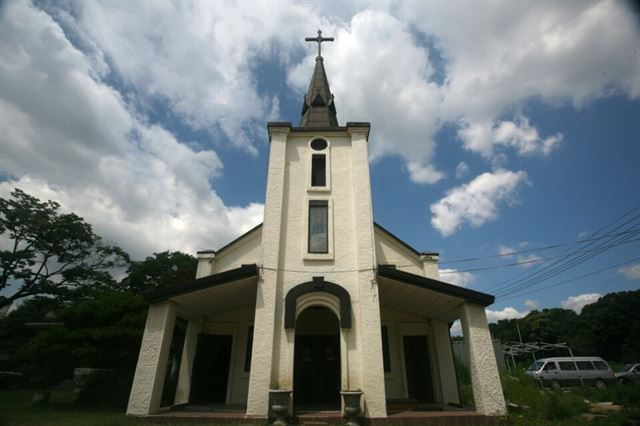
(318, 109)
(472, 296)
(177, 289)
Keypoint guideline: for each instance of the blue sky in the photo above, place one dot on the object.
(496, 127)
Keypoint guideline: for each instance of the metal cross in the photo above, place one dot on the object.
(319, 40)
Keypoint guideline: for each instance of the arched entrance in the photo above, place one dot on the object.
(316, 371)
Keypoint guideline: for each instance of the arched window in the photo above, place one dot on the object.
(319, 163)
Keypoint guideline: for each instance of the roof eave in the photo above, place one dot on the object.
(466, 294)
(166, 293)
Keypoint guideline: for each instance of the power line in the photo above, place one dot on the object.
(560, 266)
(533, 250)
(570, 280)
(531, 261)
(545, 272)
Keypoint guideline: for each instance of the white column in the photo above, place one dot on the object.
(148, 381)
(186, 363)
(485, 379)
(446, 368)
(267, 306)
(205, 263)
(367, 324)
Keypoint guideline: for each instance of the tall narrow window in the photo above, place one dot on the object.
(247, 354)
(318, 226)
(318, 170)
(385, 349)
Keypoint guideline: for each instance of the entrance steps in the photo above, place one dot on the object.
(318, 418)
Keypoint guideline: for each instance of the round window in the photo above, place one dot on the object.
(318, 144)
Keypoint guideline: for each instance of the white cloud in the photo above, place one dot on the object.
(198, 59)
(576, 303)
(492, 316)
(506, 313)
(69, 137)
(462, 170)
(456, 277)
(475, 202)
(632, 272)
(486, 137)
(500, 55)
(532, 304)
(423, 174)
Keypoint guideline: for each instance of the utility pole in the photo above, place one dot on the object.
(521, 342)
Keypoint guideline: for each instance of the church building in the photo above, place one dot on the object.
(317, 299)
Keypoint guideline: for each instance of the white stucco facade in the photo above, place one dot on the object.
(385, 295)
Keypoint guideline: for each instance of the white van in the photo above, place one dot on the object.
(571, 371)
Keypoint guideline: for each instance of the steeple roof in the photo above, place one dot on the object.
(318, 109)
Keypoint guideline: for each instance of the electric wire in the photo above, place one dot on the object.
(560, 266)
(591, 238)
(532, 250)
(569, 280)
(532, 261)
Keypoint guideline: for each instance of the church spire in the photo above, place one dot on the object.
(318, 109)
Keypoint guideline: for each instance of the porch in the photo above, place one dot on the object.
(417, 415)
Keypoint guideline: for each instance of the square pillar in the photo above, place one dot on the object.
(151, 369)
(485, 379)
(194, 328)
(446, 368)
(269, 306)
(367, 325)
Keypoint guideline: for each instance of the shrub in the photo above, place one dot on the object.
(542, 405)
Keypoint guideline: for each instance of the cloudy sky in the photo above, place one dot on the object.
(501, 132)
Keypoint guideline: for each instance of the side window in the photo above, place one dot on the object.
(318, 170)
(600, 365)
(567, 365)
(584, 365)
(319, 163)
(247, 354)
(318, 226)
(385, 349)
(550, 366)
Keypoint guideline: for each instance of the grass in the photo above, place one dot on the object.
(63, 410)
(537, 406)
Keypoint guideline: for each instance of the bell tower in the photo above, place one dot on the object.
(318, 227)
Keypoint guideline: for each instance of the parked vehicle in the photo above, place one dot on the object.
(569, 371)
(629, 373)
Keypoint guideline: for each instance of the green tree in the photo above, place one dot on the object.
(49, 252)
(102, 332)
(610, 327)
(159, 270)
(14, 329)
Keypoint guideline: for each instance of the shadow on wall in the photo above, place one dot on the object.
(462, 355)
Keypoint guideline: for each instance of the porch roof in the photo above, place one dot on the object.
(425, 297)
(217, 293)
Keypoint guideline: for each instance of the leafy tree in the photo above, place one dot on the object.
(14, 331)
(102, 332)
(611, 327)
(50, 253)
(159, 270)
